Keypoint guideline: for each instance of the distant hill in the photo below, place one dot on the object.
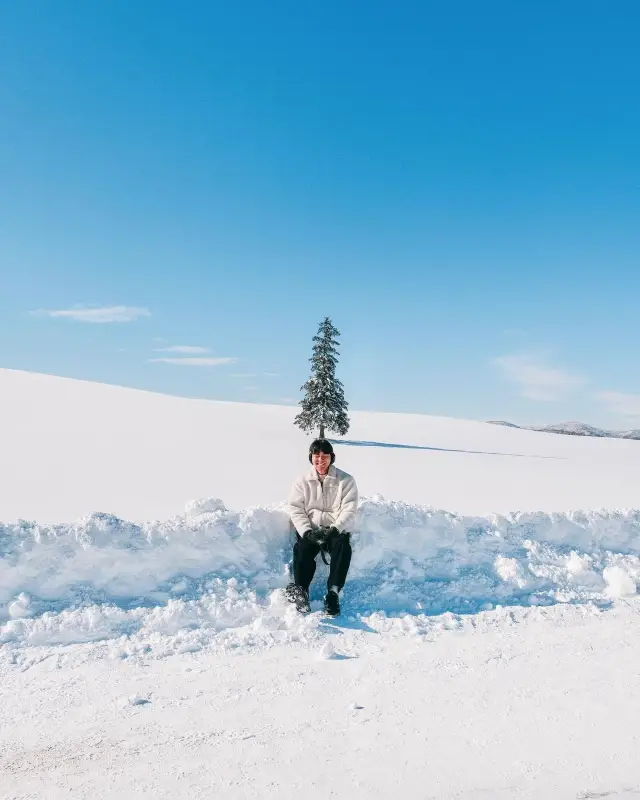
(573, 429)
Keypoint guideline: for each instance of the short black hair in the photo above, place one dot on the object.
(321, 446)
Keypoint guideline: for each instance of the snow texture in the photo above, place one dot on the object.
(212, 577)
(146, 653)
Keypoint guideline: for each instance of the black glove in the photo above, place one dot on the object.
(331, 532)
(317, 536)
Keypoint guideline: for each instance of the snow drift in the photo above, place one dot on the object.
(210, 577)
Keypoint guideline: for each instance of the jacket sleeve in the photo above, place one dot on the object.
(297, 513)
(348, 507)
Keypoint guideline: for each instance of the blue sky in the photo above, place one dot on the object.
(456, 185)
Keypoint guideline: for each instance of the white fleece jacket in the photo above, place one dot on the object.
(315, 504)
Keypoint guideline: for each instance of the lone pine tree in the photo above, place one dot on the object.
(323, 404)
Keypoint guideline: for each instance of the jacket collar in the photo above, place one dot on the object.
(313, 475)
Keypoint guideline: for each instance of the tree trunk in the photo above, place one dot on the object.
(321, 431)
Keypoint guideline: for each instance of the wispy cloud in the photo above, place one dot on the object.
(97, 314)
(251, 388)
(182, 348)
(536, 379)
(625, 405)
(197, 361)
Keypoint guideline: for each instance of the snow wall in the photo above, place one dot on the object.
(211, 577)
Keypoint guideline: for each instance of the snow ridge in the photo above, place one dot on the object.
(210, 577)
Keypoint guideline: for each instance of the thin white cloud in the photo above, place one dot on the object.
(625, 405)
(271, 374)
(182, 348)
(536, 379)
(96, 315)
(208, 361)
(251, 388)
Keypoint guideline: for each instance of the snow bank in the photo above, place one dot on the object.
(210, 577)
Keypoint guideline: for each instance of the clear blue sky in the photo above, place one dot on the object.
(456, 184)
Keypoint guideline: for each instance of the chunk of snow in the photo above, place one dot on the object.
(19, 607)
(510, 570)
(134, 700)
(327, 650)
(207, 505)
(619, 582)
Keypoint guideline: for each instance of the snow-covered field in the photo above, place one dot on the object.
(71, 448)
(489, 645)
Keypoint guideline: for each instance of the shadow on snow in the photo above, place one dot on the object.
(364, 443)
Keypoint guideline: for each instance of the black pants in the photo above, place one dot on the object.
(304, 560)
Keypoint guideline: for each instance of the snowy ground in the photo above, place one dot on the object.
(482, 653)
(71, 448)
(535, 703)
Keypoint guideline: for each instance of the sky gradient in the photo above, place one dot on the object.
(186, 191)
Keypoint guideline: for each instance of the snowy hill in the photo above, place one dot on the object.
(574, 429)
(71, 448)
(146, 649)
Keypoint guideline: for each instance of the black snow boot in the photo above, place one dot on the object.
(332, 603)
(299, 596)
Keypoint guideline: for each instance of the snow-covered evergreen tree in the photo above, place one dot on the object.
(323, 404)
